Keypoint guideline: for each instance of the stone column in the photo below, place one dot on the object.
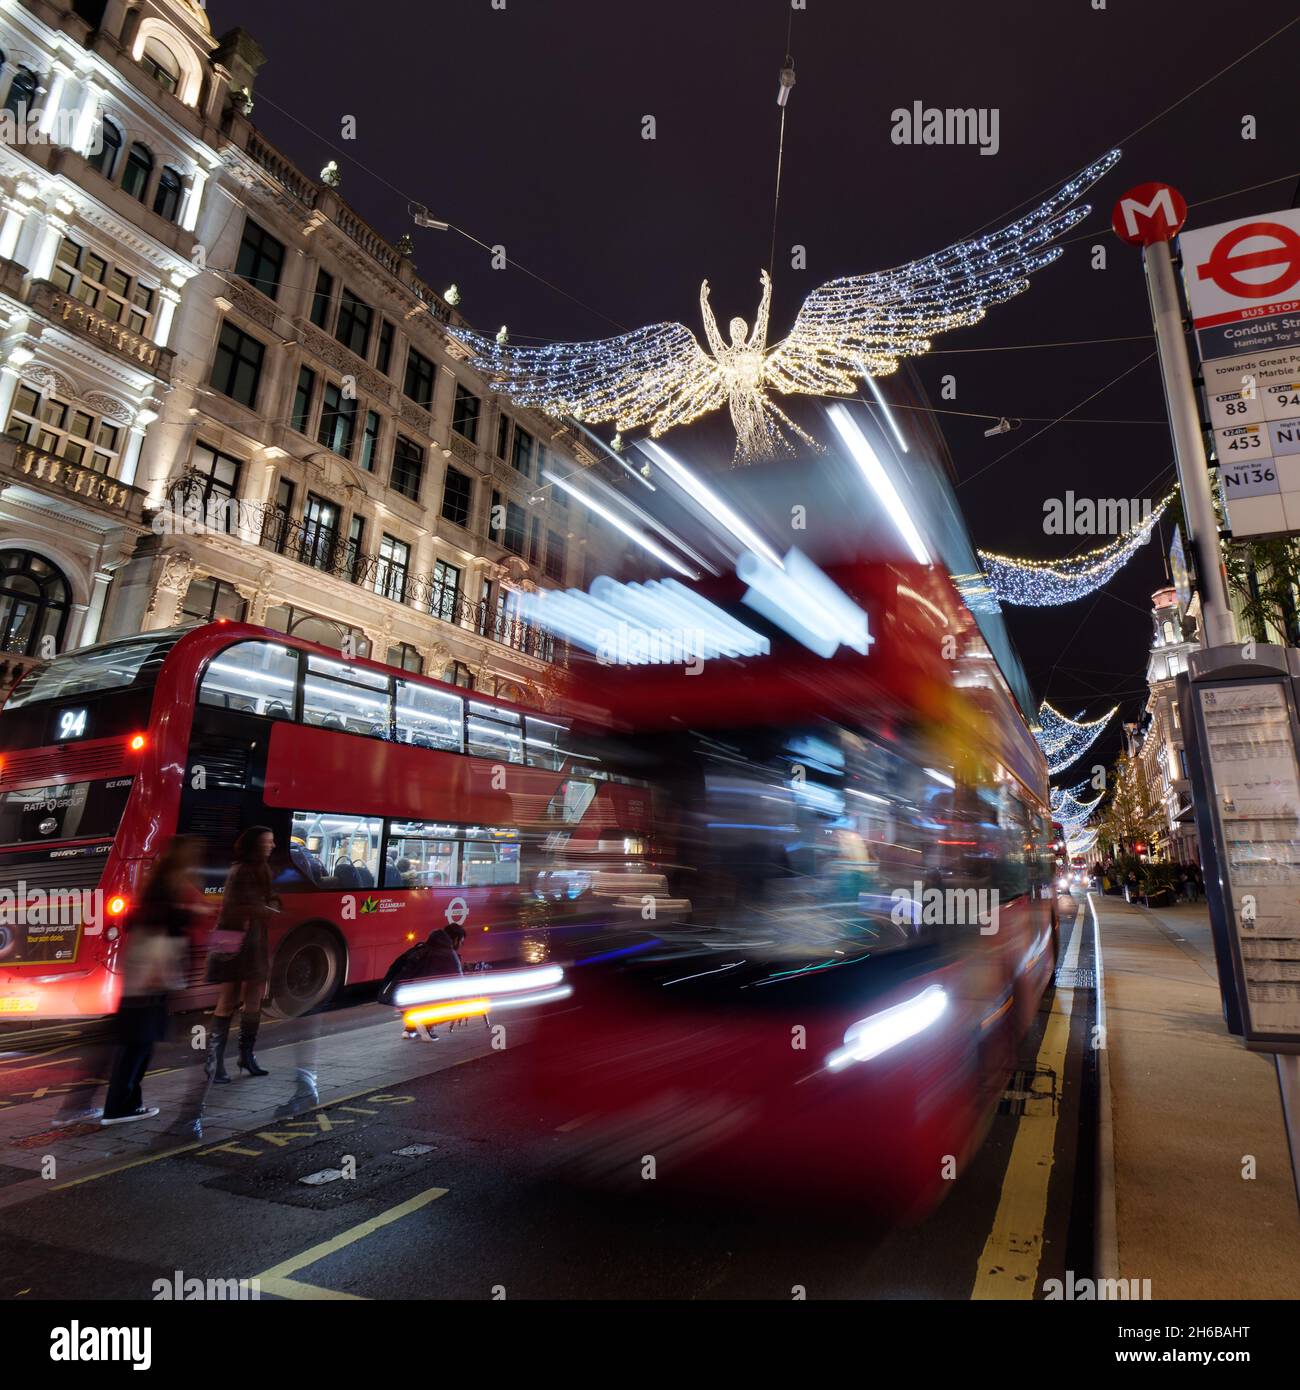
(174, 574)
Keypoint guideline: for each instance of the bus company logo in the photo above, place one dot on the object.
(21, 906)
(653, 646)
(919, 906)
(1095, 1290)
(77, 1343)
(370, 905)
(947, 125)
(180, 1289)
(1094, 516)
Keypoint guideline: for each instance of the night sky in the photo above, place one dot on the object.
(523, 126)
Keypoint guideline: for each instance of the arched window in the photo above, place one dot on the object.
(104, 160)
(139, 166)
(21, 91)
(161, 64)
(34, 602)
(167, 201)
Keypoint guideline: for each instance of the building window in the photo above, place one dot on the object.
(457, 497)
(313, 628)
(208, 599)
(261, 259)
(320, 524)
(384, 351)
(67, 432)
(139, 169)
(464, 416)
(390, 572)
(419, 379)
(104, 160)
(99, 285)
(446, 590)
(370, 441)
(522, 457)
(406, 658)
(275, 525)
(338, 421)
(535, 541)
(34, 602)
(212, 481)
(238, 365)
(355, 318)
(555, 556)
(167, 200)
(320, 301)
(512, 534)
(462, 676)
(21, 91)
(503, 436)
(408, 468)
(302, 397)
(161, 64)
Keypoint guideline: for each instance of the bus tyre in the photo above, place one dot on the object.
(308, 970)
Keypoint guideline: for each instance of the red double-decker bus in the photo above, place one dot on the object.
(398, 804)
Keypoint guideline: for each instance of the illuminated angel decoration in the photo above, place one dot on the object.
(847, 330)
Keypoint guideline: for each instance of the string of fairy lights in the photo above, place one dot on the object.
(1063, 740)
(1044, 583)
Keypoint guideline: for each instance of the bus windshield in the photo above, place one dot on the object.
(93, 670)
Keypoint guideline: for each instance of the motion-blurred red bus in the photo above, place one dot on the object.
(860, 917)
(398, 804)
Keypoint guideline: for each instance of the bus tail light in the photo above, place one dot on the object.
(136, 742)
(117, 905)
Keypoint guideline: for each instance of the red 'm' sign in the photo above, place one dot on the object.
(1149, 213)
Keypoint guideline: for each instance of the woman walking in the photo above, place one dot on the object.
(246, 906)
(157, 945)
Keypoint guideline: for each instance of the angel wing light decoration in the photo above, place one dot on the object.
(850, 328)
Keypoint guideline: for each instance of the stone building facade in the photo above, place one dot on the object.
(225, 395)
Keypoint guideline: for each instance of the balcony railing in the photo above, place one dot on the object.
(323, 548)
(50, 301)
(24, 463)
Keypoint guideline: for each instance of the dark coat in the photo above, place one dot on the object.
(246, 906)
(436, 956)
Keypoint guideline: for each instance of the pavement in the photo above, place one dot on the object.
(1198, 1177)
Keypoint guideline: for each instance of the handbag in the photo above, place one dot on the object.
(224, 947)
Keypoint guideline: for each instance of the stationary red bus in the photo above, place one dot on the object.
(862, 844)
(398, 803)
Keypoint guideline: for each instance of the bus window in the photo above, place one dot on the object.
(487, 864)
(428, 718)
(333, 852)
(417, 860)
(495, 733)
(253, 677)
(544, 743)
(348, 698)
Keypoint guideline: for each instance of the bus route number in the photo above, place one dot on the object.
(72, 723)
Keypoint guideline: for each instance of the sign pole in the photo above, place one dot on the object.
(1150, 216)
(1288, 1081)
(1189, 442)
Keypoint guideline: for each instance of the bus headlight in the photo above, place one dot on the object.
(877, 1033)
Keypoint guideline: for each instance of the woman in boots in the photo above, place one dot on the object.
(246, 906)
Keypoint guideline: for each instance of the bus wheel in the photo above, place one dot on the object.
(308, 970)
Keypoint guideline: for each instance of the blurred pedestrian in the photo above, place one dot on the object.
(240, 965)
(438, 954)
(157, 947)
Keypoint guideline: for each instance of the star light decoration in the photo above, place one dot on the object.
(1042, 583)
(849, 329)
(1065, 740)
